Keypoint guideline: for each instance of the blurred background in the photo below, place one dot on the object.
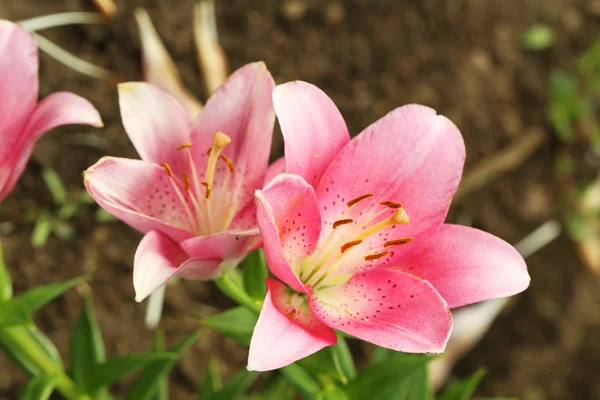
(520, 78)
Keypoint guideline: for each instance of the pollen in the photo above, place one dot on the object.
(359, 198)
(185, 146)
(350, 244)
(376, 256)
(397, 242)
(228, 162)
(342, 222)
(208, 189)
(391, 204)
(186, 180)
(167, 168)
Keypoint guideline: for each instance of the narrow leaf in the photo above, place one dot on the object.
(5, 281)
(15, 352)
(13, 313)
(118, 367)
(371, 381)
(235, 386)
(55, 185)
(39, 388)
(147, 385)
(212, 383)
(41, 231)
(301, 380)
(323, 362)
(342, 353)
(232, 285)
(255, 271)
(45, 344)
(38, 297)
(236, 323)
(464, 389)
(419, 387)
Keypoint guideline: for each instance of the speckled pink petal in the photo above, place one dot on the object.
(389, 308)
(55, 110)
(242, 109)
(158, 259)
(412, 156)
(313, 129)
(155, 123)
(277, 167)
(286, 330)
(289, 221)
(140, 194)
(18, 85)
(467, 265)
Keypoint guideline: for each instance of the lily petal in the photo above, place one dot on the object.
(289, 221)
(57, 109)
(313, 129)
(286, 330)
(389, 308)
(155, 123)
(467, 265)
(140, 194)
(230, 245)
(411, 156)
(242, 109)
(157, 259)
(18, 86)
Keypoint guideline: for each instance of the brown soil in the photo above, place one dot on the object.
(459, 57)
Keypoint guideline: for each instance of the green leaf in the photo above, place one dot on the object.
(301, 380)
(279, 389)
(212, 381)
(255, 271)
(13, 313)
(55, 185)
(419, 387)
(235, 386)
(236, 323)
(380, 381)
(38, 297)
(86, 349)
(41, 231)
(63, 230)
(538, 37)
(332, 393)
(116, 368)
(6, 289)
(323, 362)
(147, 385)
(104, 216)
(39, 388)
(45, 344)
(15, 351)
(342, 353)
(464, 389)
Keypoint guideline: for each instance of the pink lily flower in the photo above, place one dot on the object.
(22, 120)
(192, 191)
(355, 233)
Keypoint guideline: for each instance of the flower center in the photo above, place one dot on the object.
(344, 245)
(196, 195)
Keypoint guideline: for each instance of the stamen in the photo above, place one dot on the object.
(350, 244)
(391, 204)
(184, 146)
(359, 198)
(396, 242)
(400, 216)
(221, 140)
(168, 169)
(208, 188)
(228, 162)
(209, 151)
(342, 222)
(376, 256)
(186, 180)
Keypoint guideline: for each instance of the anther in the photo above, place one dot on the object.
(167, 168)
(209, 151)
(396, 242)
(186, 180)
(185, 146)
(376, 256)
(350, 244)
(342, 222)
(208, 188)
(228, 162)
(359, 198)
(391, 204)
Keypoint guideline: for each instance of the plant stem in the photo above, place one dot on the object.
(61, 19)
(16, 337)
(237, 293)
